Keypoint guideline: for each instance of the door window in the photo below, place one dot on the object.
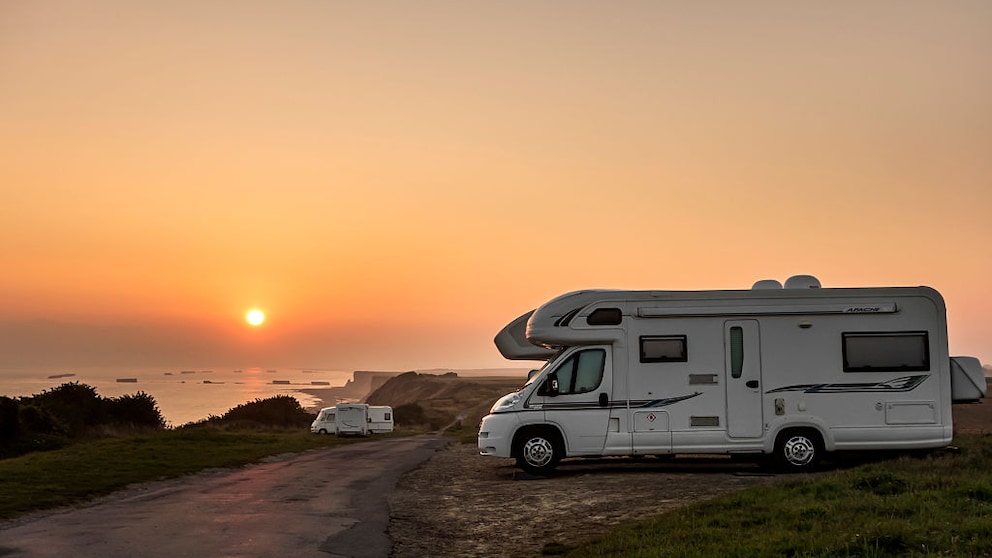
(736, 351)
(582, 372)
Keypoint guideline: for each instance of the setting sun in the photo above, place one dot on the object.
(255, 317)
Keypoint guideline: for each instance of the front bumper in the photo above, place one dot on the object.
(496, 434)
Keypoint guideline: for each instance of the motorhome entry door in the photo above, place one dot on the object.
(742, 345)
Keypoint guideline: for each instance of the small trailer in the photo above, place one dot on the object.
(380, 419)
(789, 371)
(324, 423)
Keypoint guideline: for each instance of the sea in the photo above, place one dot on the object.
(190, 395)
(182, 395)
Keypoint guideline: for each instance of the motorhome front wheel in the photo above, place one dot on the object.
(538, 452)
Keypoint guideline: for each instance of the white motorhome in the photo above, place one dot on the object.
(351, 419)
(789, 371)
(324, 423)
(361, 419)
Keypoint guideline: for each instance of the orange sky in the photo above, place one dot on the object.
(393, 182)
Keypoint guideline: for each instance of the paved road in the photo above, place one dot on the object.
(326, 503)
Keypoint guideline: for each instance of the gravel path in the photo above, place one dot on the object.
(460, 504)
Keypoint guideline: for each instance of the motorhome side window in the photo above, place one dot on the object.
(582, 372)
(664, 348)
(906, 351)
(605, 316)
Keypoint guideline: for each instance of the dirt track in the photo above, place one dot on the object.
(314, 504)
(461, 504)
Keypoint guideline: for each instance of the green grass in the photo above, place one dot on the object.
(939, 505)
(89, 469)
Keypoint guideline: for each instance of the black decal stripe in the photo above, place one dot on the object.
(667, 401)
(636, 404)
(899, 385)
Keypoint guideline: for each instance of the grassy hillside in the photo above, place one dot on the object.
(436, 401)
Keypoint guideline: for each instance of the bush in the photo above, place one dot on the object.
(139, 410)
(281, 411)
(410, 414)
(8, 420)
(414, 415)
(75, 405)
(55, 417)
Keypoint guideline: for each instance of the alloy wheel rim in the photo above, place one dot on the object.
(538, 452)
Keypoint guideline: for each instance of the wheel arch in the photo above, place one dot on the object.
(537, 426)
(810, 424)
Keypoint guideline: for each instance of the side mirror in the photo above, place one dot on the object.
(550, 386)
(531, 374)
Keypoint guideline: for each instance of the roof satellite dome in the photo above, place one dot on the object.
(766, 284)
(802, 282)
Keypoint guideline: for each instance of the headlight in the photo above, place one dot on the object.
(506, 402)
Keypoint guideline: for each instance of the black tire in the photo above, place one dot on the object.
(798, 450)
(538, 450)
(322, 431)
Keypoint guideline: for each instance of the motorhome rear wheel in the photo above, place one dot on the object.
(798, 450)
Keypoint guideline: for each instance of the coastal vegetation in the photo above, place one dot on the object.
(936, 505)
(68, 445)
(72, 411)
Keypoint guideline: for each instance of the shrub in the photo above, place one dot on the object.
(410, 414)
(139, 410)
(75, 405)
(53, 418)
(282, 411)
(8, 420)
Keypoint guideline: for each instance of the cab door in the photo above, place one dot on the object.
(575, 395)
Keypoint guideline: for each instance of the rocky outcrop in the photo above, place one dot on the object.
(413, 387)
(364, 382)
(361, 384)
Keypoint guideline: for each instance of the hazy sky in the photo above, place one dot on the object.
(392, 182)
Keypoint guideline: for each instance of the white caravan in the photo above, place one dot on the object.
(324, 423)
(360, 419)
(380, 419)
(788, 371)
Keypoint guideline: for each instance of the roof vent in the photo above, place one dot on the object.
(802, 282)
(766, 284)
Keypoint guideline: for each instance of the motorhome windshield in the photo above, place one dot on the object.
(535, 374)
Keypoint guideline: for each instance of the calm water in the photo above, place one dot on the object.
(182, 395)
